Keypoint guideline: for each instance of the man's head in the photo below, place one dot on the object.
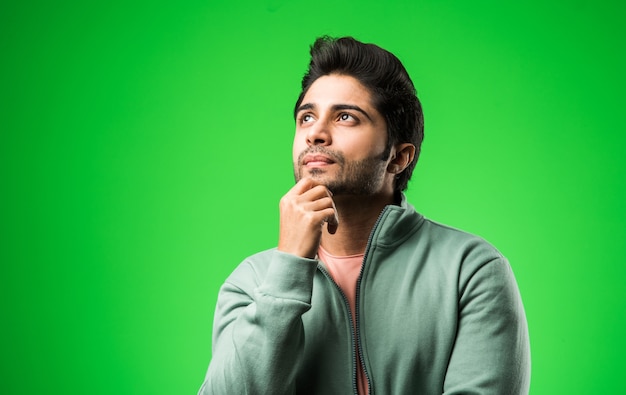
(385, 78)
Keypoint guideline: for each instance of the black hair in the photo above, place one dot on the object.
(380, 71)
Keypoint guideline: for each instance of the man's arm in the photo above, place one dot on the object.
(258, 332)
(491, 354)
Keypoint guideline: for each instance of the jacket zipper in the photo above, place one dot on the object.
(357, 304)
(352, 335)
(356, 342)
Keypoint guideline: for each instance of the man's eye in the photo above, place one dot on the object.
(346, 117)
(306, 118)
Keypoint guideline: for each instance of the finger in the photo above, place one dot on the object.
(325, 209)
(336, 216)
(320, 204)
(333, 222)
(303, 186)
(318, 193)
(329, 216)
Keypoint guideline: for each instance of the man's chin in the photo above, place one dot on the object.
(315, 173)
(321, 177)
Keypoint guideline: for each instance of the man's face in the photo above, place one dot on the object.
(340, 138)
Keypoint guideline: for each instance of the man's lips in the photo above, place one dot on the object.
(314, 160)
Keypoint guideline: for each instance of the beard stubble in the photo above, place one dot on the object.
(363, 177)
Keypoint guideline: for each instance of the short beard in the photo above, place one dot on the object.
(360, 178)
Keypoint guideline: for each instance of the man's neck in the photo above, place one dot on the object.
(357, 217)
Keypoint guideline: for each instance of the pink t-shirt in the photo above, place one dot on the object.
(345, 271)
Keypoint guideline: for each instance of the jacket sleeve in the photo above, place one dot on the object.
(257, 330)
(491, 354)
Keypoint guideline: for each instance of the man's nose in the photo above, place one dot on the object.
(319, 134)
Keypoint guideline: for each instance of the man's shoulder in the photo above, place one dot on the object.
(405, 227)
(449, 230)
(455, 240)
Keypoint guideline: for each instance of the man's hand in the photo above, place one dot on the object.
(303, 212)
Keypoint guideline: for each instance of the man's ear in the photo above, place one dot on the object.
(401, 157)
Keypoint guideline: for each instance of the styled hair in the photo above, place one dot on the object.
(381, 72)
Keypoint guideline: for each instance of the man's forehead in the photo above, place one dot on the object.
(336, 90)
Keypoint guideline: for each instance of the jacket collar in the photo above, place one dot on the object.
(396, 223)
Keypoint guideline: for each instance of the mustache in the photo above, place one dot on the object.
(337, 157)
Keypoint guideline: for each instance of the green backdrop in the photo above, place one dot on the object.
(145, 146)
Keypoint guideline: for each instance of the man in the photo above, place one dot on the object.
(363, 295)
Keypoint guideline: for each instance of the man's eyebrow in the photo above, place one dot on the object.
(335, 108)
(339, 107)
(307, 106)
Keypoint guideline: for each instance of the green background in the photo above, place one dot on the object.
(145, 146)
